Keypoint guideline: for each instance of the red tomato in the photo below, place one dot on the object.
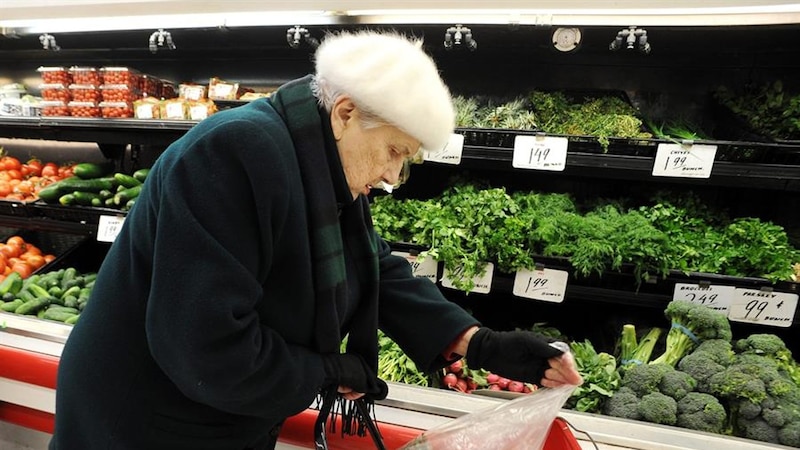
(49, 170)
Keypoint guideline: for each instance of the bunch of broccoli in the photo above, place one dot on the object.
(658, 393)
(753, 377)
(692, 323)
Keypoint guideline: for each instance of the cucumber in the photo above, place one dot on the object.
(126, 180)
(70, 301)
(33, 306)
(141, 174)
(72, 320)
(69, 274)
(12, 284)
(66, 199)
(12, 306)
(38, 291)
(85, 198)
(58, 315)
(88, 171)
(94, 185)
(121, 198)
(51, 192)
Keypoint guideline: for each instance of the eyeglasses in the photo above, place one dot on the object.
(405, 171)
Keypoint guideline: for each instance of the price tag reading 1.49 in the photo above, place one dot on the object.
(684, 160)
(767, 308)
(540, 153)
(547, 284)
(450, 154)
(715, 297)
(108, 228)
(421, 267)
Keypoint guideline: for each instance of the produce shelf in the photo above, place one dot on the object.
(104, 131)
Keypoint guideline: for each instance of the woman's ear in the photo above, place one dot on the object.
(343, 113)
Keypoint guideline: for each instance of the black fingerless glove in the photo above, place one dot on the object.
(345, 369)
(518, 355)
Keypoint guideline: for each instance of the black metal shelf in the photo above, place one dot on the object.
(99, 130)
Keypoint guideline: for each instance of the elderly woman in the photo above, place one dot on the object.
(220, 307)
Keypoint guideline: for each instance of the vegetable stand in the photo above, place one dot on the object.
(751, 176)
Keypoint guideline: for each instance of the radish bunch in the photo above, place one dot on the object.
(459, 377)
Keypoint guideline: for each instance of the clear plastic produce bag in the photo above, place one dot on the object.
(519, 424)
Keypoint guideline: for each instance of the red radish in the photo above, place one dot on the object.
(456, 367)
(515, 386)
(526, 389)
(450, 380)
(503, 383)
(494, 387)
(492, 378)
(471, 384)
(461, 385)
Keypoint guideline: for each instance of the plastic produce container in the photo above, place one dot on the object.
(121, 75)
(151, 86)
(86, 75)
(54, 108)
(85, 93)
(119, 93)
(55, 75)
(84, 109)
(116, 109)
(56, 92)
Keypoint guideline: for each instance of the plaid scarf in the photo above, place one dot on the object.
(331, 227)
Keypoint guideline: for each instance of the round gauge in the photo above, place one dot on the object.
(566, 39)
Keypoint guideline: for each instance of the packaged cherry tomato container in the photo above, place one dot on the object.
(119, 93)
(85, 75)
(121, 75)
(56, 92)
(116, 110)
(168, 89)
(54, 108)
(84, 109)
(55, 75)
(151, 86)
(85, 93)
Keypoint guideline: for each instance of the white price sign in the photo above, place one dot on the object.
(450, 154)
(540, 153)
(715, 297)
(108, 228)
(483, 283)
(766, 308)
(421, 267)
(684, 160)
(547, 284)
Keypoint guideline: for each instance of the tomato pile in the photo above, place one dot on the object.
(459, 377)
(17, 255)
(22, 181)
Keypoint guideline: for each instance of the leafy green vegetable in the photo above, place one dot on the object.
(768, 109)
(600, 378)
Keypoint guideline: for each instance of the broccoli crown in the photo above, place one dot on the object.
(732, 383)
(676, 384)
(701, 320)
(623, 404)
(701, 366)
(790, 434)
(757, 429)
(645, 378)
(702, 412)
(762, 344)
(720, 350)
(656, 407)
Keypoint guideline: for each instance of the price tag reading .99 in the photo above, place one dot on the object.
(540, 153)
(767, 308)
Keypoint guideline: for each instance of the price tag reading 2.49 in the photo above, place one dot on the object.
(715, 297)
(767, 308)
(540, 153)
(547, 284)
(684, 160)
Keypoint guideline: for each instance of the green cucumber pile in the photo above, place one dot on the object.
(96, 185)
(59, 295)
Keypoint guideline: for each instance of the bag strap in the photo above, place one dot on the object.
(329, 399)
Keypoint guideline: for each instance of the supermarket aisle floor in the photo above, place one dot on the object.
(13, 437)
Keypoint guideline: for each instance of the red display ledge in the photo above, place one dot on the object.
(28, 367)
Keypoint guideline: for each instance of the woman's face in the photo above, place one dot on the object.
(369, 155)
